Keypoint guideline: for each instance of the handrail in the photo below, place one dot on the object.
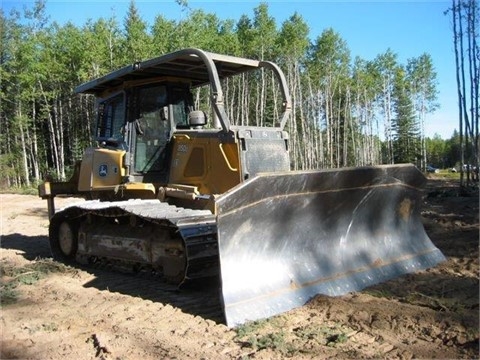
(230, 167)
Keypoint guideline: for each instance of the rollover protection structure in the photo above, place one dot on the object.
(171, 192)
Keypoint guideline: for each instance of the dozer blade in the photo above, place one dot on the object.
(284, 238)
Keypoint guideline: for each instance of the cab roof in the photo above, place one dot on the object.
(193, 65)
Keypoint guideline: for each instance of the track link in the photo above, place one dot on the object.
(146, 235)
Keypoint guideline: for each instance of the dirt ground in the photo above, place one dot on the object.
(51, 311)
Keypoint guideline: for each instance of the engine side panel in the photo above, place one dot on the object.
(205, 159)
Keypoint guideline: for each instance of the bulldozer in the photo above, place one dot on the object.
(184, 192)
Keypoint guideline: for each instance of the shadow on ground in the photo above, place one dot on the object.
(202, 299)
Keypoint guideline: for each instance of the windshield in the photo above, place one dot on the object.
(153, 129)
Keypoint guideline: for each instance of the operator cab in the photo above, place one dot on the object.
(151, 136)
(141, 120)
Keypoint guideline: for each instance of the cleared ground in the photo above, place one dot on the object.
(50, 311)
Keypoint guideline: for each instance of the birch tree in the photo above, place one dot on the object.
(423, 84)
(328, 67)
(465, 15)
(366, 90)
(386, 65)
(292, 44)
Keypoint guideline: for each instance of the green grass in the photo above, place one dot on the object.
(23, 190)
(11, 276)
(379, 293)
(323, 335)
(265, 334)
(276, 334)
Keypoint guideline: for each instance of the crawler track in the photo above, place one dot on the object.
(170, 252)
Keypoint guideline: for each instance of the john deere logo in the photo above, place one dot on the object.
(103, 170)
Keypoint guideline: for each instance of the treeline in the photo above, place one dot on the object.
(445, 154)
(465, 21)
(347, 111)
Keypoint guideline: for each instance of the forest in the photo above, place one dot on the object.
(347, 111)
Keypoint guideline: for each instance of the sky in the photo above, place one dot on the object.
(408, 27)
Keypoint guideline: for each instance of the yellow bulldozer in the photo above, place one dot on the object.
(190, 198)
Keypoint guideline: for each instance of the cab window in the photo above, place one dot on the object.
(181, 106)
(111, 118)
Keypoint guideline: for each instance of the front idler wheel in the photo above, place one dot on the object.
(64, 241)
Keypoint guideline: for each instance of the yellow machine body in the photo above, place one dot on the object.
(101, 169)
(171, 192)
(204, 162)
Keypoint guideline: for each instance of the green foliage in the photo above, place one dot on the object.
(329, 56)
(406, 133)
(422, 78)
(8, 164)
(136, 41)
(292, 41)
(437, 150)
(337, 104)
(24, 190)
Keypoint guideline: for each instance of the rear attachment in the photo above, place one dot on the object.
(284, 238)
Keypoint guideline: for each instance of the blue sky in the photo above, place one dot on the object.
(408, 28)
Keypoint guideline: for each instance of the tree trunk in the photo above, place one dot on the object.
(34, 148)
(58, 115)
(52, 132)
(24, 156)
(456, 8)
